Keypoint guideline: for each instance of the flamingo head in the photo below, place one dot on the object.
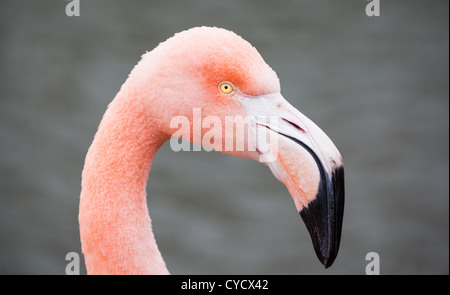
(219, 83)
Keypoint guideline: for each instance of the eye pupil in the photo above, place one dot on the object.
(226, 87)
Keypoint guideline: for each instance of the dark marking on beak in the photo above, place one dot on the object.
(323, 216)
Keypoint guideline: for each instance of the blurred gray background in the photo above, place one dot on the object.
(378, 86)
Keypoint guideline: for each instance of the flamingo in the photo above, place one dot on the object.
(217, 71)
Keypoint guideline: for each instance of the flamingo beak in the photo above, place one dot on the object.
(302, 157)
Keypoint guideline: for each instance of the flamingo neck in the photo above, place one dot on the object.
(115, 226)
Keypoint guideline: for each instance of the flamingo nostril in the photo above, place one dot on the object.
(295, 125)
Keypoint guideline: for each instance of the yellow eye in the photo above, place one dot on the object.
(226, 87)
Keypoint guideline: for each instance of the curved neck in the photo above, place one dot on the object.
(115, 227)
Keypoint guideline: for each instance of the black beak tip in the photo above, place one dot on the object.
(323, 217)
(328, 259)
(326, 252)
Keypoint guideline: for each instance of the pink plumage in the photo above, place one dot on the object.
(179, 75)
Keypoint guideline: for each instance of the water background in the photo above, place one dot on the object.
(377, 86)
